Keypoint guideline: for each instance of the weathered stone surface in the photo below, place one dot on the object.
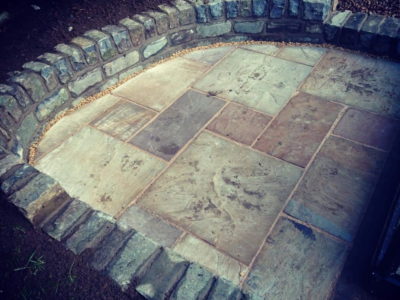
(5, 137)
(298, 130)
(208, 56)
(121, 63)
(215, 29)
(389, 27)
(388, 36)
(160, 280)
(67, 219)
(259, 8)
(211, 191)
(249, 27)
(162, 21)
(277, 9)
(367, 128)
(313, 28)
(155, 47)
(32, 84)
(232, 8)
(123, 120)
(38, 197)
(202, 253)
(316, 10)
(305, 55)
(334, 23)
(61, 64)
(136, 31)
(254, 79)
(27, 130)
(291, 263)
(85, 81)
(75, 55)
(336, 189)
(239, 123)
(109, 247)
(283, 26)
(149, 25)
(174, 127)
(245, 8)
(201, 10)
(129, 72)
(7, 162)
(121, 171)
(359, 81)
(187, 14)
(47, 72)
(104, 43)
(293, 8)
(150, 226)
(182, 36)
(172, 13)
(9, 110)
(369, 30)
(50, 104)
(194, 285)
(351, 30)
(216, 8)
(133, 260)
(89, 49)
(223, 289)
(17, 92)
(18, 178)
(266, 49)
(120, 36)
(90, 232)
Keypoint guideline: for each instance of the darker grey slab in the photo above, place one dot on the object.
(178, 124)
(295, 263)
(17, 179)
(336, 189)
(223, 289)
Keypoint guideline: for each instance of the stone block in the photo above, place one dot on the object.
(121, 63)
(155, 47)
(232, 9)
(223, 289)
(149, 25)
(293, 8)
(120, 36)
(136, 31)
(89, 49)
(66, 220)
(201, 10)
(351, 30)
(249, 27)
(387, 36)
(215, 29)
(129, 72)
(277, 9)
(9, 110)
(182, 36)
(313, 28)
(104, 43)
(17, 92)
(32, 84)
(18, 178)
(283, 26)
(259, 8)
(172, 13)
(333, 25)
(47, 72)
(316, 10)
(75, 56)
(187, 14)
(50, 104)
(245, 9)
(216, 8)
(369, 30)
(91, 232)
(5, 137)
(27, 130)
(162, 21)
(85, 81)
(8, 161)
(61, 64)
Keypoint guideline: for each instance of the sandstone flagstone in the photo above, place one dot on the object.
(266, 49)
(305, 55)
(209, 56)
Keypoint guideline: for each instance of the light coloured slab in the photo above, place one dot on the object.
(159, 86)
(305, 55)
(266, 49)
(256, 80)
(208, 56)
(100, 170)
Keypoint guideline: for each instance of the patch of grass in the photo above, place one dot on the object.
(34, 264)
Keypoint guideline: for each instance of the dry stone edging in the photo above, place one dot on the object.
(58, 81)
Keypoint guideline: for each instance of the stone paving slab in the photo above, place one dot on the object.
(256, 80)
(266, 49)
(295, 263)
(336, 189)
(209, 56)
(226, 194)
(305, 55)
(368, 83)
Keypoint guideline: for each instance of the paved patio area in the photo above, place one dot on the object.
(255, 161)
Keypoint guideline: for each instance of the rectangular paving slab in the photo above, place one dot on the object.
(295, 263)
(336, 189)
(305, 55)
(254, 79)
(226, 194)
(208, 56)
(173, 128)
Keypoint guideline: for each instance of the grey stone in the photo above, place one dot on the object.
(50, 104)
(386, 40)
(216, 8)
(201, 10)
(132, 260)
(149, 24)
(155, 47)
(316, 10)
(259, 8)
(314, 28)
(121, 63)
(369, 30)
(38, 197)
(60, 63)
(215, 29)
(17, 92)
(18, 178)
(277, 9)
(293, 8)
(245, 8)
(351, 30)
(334, 24)
(159, 281)
(187, 14)
(91, 232)
(5, 137)
(104, 43)
(85, 81)
(136, 31)
(173, 15)
(109, 247)
(66, 220)
(162, 21)
(8, 161)
(47, 72)
(89, 49)
(232, 8)
(283, 26)
(249, 27)
(75, 56)
(129, 72)
(182, 36)
(9, 110)
(32, 84)
(223, 289)
(389, 27)
(27, 130)
(120, 36)
(194, 285)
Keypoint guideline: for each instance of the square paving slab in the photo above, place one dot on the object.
(100, 170)
(259, 81)
(226, 194)
(209, 56)
(305, 55)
